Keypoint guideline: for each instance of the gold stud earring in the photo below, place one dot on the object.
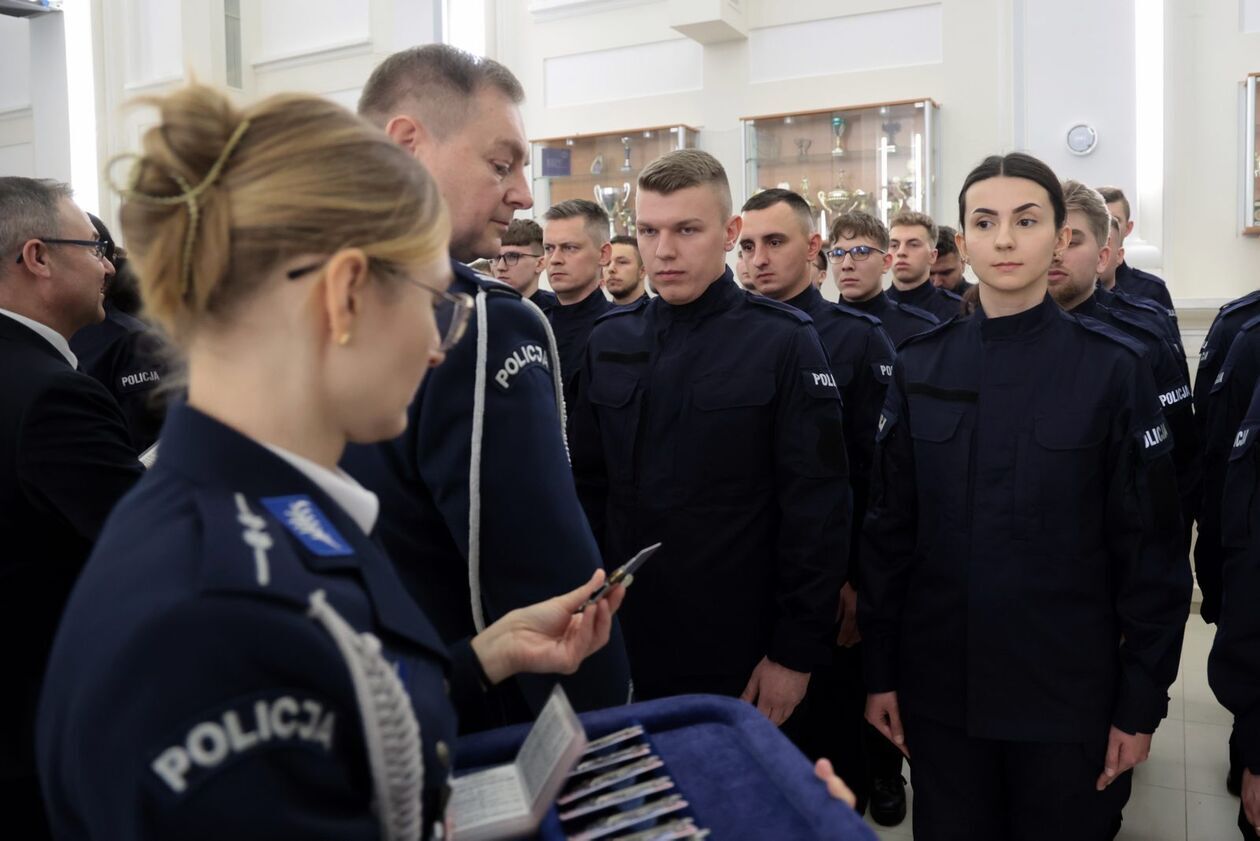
(343, 339)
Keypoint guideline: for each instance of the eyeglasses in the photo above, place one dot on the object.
(99, 247)
(511, 258)
(454, 311)
(857, 252)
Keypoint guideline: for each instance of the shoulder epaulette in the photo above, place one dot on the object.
(949, 293)
(1135, 321)
(637, 306)
(1250, 324)
(935, 329)
(1106, 330)
(1145, 275)
(918, 313)
(1239, 303)
(856, 313)
(779, 307)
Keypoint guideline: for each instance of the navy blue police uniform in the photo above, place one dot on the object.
(485, 434)
(1234, 664)
(239, 660)
(66, 460)
(1024, 588)
(1223, 410)
(715, 428)
(1145, 285)
(572, 325)
(1216, 344)
(1174, 398)
(861, 358)
(900, 321)
(1151, 312)
(544, 299)
(942, 303)
(125, 355)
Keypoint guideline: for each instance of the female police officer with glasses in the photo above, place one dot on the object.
(238, 658)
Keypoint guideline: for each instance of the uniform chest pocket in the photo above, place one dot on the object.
(1238, 503)
(730, 426)
(1067, 461)
(843, 375)
(616, 400)
(942, 451)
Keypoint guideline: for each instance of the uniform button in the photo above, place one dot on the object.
(443, 754)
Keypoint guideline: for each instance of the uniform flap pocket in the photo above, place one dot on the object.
(929, 422)
(1243, 441)
(613, 390)
(733, 391)
(1070, 431)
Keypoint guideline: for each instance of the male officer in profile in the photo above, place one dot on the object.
(65, 455)
(1131, 280)
(779, 243)
(519, 262)
(708, 419)
(478, 509)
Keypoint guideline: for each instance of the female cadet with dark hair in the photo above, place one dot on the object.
(1023, 607)
(238, 659)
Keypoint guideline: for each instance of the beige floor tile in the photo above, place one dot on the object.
(1207, 758)
(1211, 818)
(1166, 766)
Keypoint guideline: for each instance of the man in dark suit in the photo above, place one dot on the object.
(65, 456)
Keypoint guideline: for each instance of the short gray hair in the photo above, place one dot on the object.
(595, 220)
(437, 79)
(29, 208)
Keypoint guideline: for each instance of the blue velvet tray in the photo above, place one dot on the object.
(742, 777)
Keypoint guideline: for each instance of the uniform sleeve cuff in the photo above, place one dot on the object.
(797, 650)
(879, 664)
(469, 686)
(1247, 740)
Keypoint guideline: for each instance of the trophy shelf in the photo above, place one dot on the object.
(878, 157)
(603, 168)
(1249, 212)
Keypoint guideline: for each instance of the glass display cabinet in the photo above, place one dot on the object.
(1250, 211)
(880, 158)
(601, 167)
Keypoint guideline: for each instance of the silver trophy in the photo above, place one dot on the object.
(614, 200)
(625, 147)
(838, 126)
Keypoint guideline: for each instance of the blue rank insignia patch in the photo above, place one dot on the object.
(301, 516)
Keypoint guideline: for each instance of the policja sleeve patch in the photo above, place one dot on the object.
(282, 718)
(820, 384)
(887, 420)
(1155, 440)
(883, 372)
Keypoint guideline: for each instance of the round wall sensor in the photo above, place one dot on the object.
(1081, 139)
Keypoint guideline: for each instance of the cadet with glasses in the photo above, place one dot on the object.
(1024, 600)
(520, 263)
(859, 257)
(239, 659)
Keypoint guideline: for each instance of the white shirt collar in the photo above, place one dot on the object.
(52, 336)
(356, 500)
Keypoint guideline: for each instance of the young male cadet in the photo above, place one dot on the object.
(520, 262)
(912, 244)
(625, 278)
(1131, 280)
(1073, 283)
(66, 458)
(859, 256)
(708, 419)
(778, 242)
(949, 268)
(575, 252)
(473, 545)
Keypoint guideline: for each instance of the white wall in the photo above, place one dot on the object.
(17, 150)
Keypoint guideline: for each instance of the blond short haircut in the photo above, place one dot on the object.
(913, 217)
(594, 219)
(685, 168)
(292, 175)
(1091, 204)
